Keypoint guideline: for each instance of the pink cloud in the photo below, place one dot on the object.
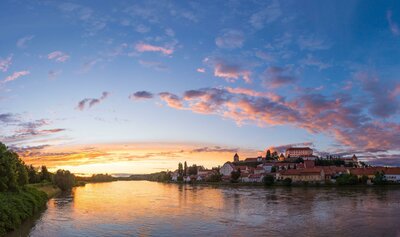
(5, 63)
(58, 56)
(142, 47)
(201, 70)
(338, 115)
(16, 75)
(231, 72)
(90, 102)
(172, 100)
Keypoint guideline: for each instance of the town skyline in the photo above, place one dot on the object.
(124, 88)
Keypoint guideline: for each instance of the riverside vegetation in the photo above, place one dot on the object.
(24, 190)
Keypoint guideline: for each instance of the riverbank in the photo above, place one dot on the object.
(50, 189)
(280, 184)
(15, 207)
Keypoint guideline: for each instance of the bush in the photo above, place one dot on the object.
(235, 175)
(64, 180)
(287, 181)
(17, 206)
(214, 178)
(379, 178)
(268, 180)
(347, 179)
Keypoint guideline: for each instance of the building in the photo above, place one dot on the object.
(236, 158)
(315, 174)
(392, 174)
(175, 175)
(227, 169)
(299, 152)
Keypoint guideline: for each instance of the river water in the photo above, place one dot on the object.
(142, 208)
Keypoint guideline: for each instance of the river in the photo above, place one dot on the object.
(142, 208)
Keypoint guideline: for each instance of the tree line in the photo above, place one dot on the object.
(15, 174)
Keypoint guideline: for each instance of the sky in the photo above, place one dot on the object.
(138, 86)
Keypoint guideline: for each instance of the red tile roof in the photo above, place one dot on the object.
(305, 171)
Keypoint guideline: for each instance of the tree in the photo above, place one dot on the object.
(235, 175)
(379, 178)
(8, 169)
(185, 169)
(214, 178)
(268, 156)
(192, 170)
(347, 179)
(180, 170)
(268, 180)
(64, 179)
(287, 181)
(44, 174)
(274, 155)
(32, 175)
(364, 179)
(22, 174)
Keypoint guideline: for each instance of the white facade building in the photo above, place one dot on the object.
(298, 152)
(227, 169)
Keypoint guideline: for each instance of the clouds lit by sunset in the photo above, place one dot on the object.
(136, 87)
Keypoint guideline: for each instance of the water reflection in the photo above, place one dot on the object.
(140, 208)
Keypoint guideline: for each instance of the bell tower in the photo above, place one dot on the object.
(236, 158)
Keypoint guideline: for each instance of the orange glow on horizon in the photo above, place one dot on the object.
(130, 158)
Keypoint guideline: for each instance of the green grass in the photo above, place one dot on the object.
(15, 207)
(49, 188)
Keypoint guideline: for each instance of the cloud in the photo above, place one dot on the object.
(277, 77)
(87, 17)
(58, 56)
(22, 131)
(384, 103)
(16, 75)
(394, 28)
(214, 149)
(265, 56)
(268, 15)
(53, 74)
(230, 39)
(22, 42)
(5, 63)
(90, 102)
(337, 115)
(90, 64)
(141, 95)
(172, 100)
(142, 29)
(7, 118)
(159, 66)
(142, 47)
(231, 72)
(312, 43)
(201, 70)
(312, 61)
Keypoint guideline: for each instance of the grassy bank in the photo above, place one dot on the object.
(17, 206)
(50, 189)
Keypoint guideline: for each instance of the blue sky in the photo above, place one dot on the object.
(238, 75)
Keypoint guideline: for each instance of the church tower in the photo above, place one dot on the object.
(236, 158)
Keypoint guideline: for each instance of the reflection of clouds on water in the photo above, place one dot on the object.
(140, 208)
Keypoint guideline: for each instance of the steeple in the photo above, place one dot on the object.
(236, 157)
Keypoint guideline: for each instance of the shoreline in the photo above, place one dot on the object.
(21, 206)
(293, 185)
